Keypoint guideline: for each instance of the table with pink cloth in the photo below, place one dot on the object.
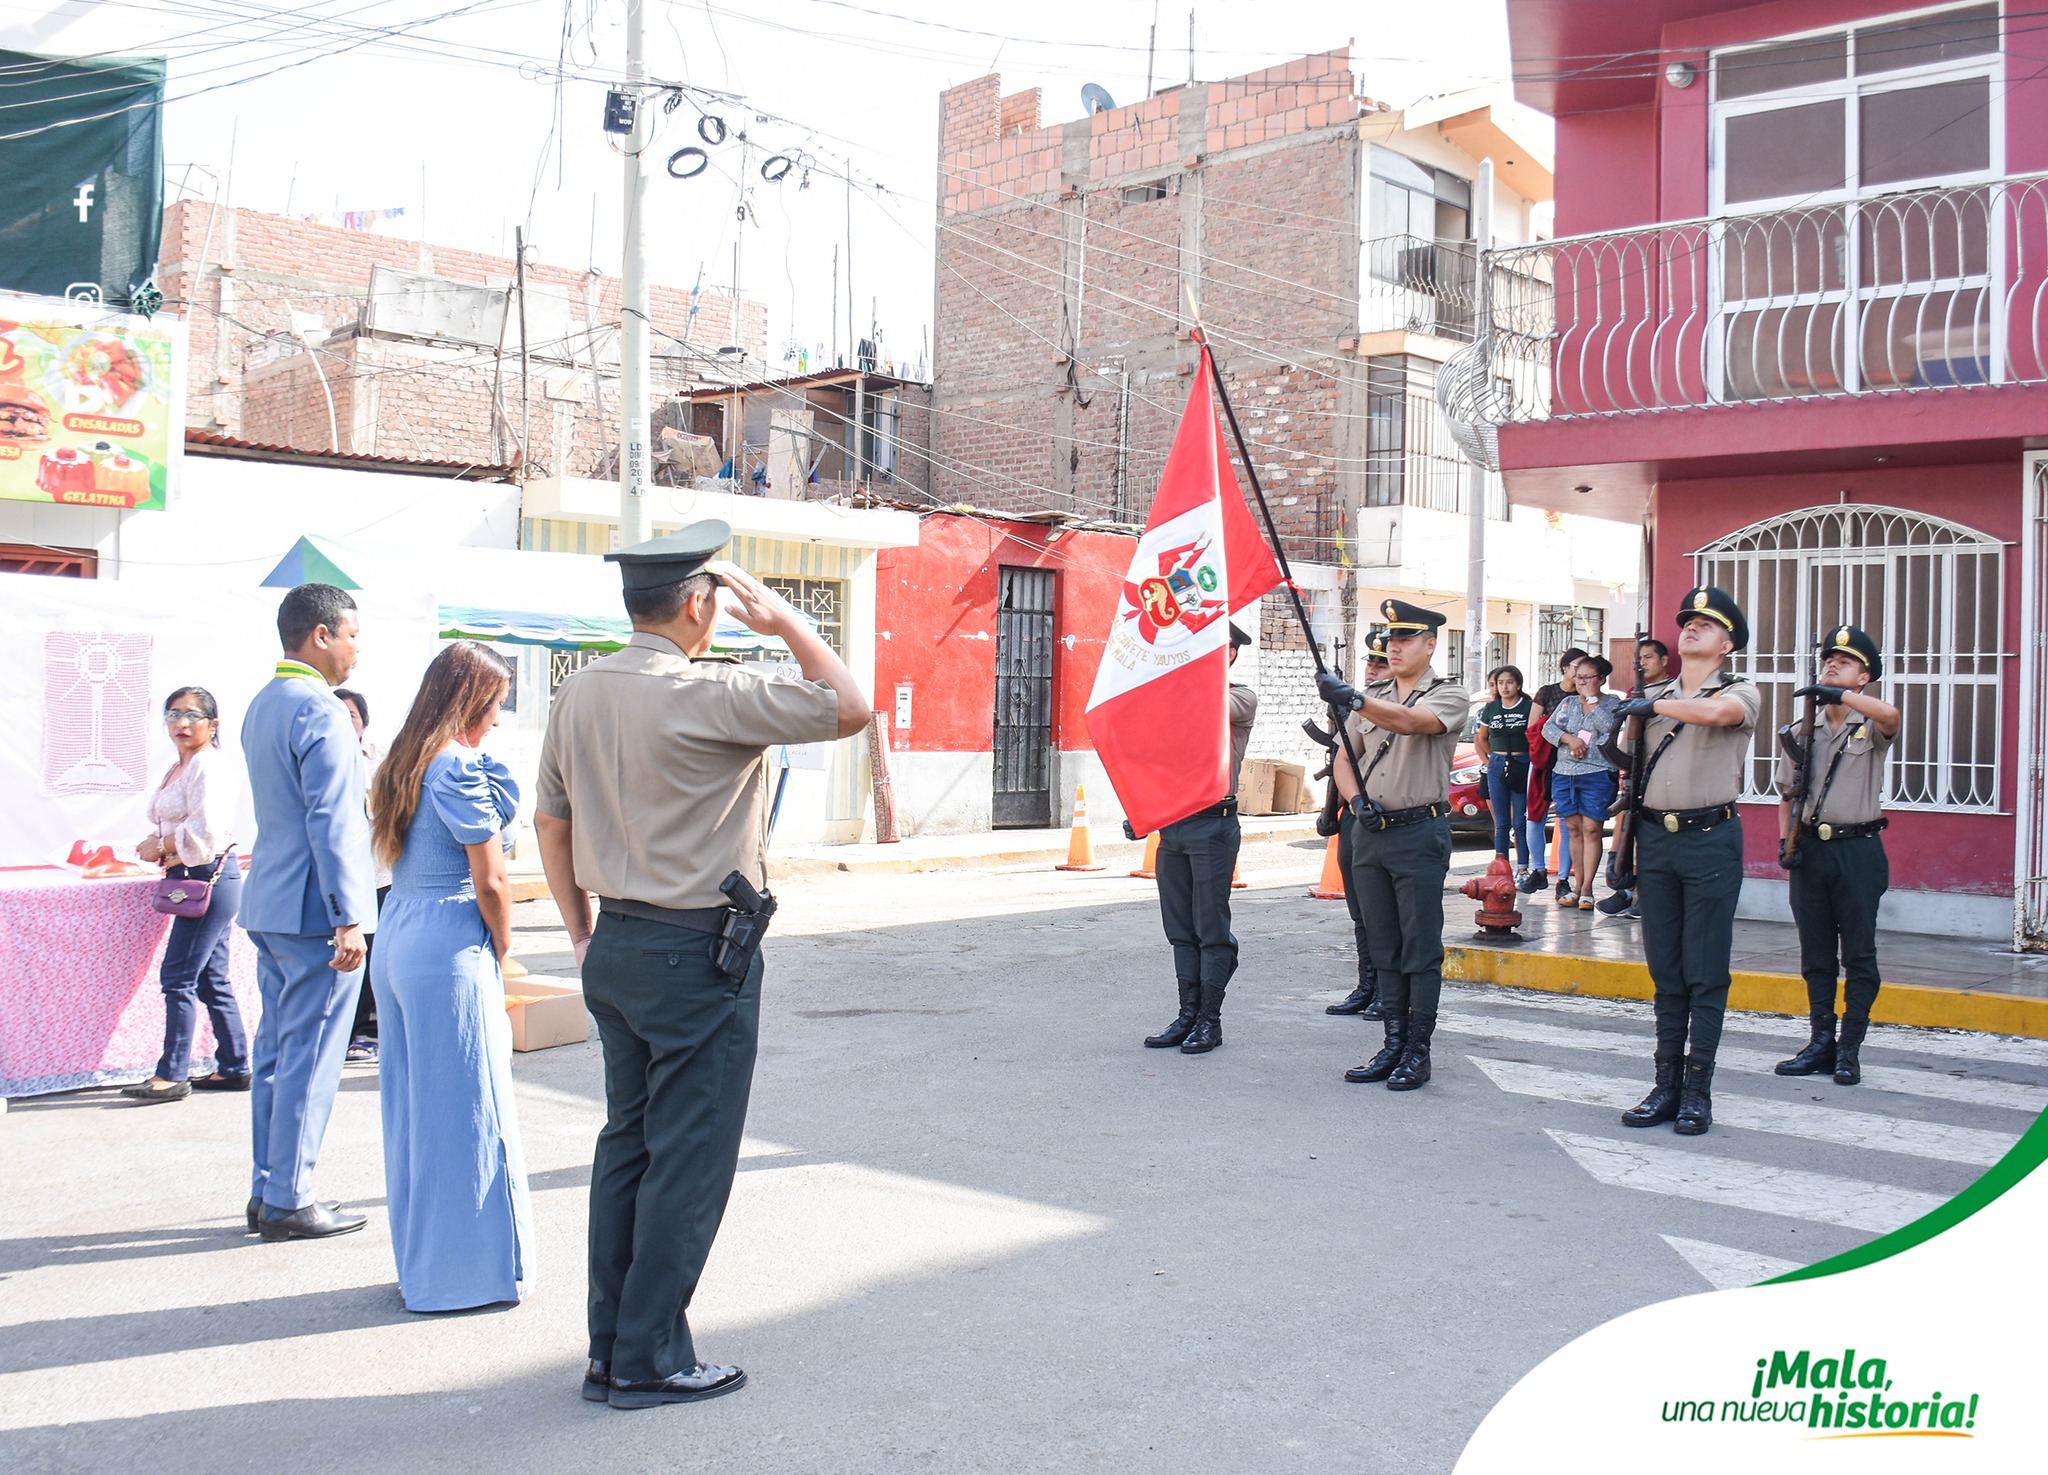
(79, 1001)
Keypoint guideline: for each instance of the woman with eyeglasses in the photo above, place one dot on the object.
(193, 810)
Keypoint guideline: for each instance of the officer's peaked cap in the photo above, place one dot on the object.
(672, 558)
(1851, 641)
(1404, 618)
(1720, 607)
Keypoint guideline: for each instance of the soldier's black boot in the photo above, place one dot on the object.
(1382, 1065)
(1208, 1031)
(1661, 1105)
(1413, 1070)
(1848, 1061)
(1377, 1009)
(1696, 1096)
(1183, 1022)
(1356, 1002)
(1818, 1058)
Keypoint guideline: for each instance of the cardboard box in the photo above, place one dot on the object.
(1255, 786)
(1291, 790)
(545, 1013)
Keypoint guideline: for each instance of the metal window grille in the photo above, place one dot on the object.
(1553, 638)
(824, 600)
(1931, 592)
(1411, 459)
(562, 664)
(1497, 655)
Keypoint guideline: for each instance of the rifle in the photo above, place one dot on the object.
(1803, 784)
(1621, 859)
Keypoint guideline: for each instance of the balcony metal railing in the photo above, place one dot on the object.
(1927, 290)
(1421, 286)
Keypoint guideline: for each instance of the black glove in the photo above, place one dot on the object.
(1788, 858)
(1826, 696)
(1338, 692)
(1129, 833)
(1634, 707)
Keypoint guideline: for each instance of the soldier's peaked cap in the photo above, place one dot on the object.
(1237, 636)
(1720, 607)
(1404, 618)
(1851, 641)
(1376, 646)
(671, 558)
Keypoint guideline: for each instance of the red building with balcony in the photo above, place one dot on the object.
(1795, 321)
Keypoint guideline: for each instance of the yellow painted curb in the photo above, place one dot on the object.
(1757, 993)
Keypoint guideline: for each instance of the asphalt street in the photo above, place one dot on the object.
(979, 1228)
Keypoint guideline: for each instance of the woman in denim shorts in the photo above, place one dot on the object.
(1582, 785)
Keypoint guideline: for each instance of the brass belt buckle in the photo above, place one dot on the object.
(1826, 832)
(1671, 824)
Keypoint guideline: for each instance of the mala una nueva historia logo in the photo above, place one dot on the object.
(1839, 1394)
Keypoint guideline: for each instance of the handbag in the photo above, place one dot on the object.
(186, 896)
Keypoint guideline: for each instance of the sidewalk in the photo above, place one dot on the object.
(1937, 982)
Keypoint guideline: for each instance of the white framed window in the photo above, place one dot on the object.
(1930, 591)
(1863, 256)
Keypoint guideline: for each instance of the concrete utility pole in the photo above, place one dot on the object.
(1475, 573)
(636, 517)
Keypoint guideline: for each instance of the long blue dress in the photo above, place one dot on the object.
(461, 1227)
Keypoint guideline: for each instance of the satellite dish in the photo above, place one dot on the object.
(1096, 99)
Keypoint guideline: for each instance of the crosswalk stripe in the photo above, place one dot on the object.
(1828, 1124)
(1956, 1044)
(1820, 1198)
(2005, 1094)
(1726, 1268)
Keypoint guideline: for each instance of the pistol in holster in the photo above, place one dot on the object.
(746, 922)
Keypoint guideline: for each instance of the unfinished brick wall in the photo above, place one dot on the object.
(1065, 258)
(237, 276)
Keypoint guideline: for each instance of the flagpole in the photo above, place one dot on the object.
(1251, 471)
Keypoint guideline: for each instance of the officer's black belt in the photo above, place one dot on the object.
(709, 920)
(1848, 832)
(1678, 821)
(1214, 811)
(1388, 819)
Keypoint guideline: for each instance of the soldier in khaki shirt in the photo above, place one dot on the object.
(1838, 867)
(1696, 730)
(653, 790)
(1405, 734)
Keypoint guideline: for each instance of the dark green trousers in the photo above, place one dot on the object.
(1398, 877)
(1196, 858)
(1835, 890)
(679, 1042)
(1687, 888)
(1347, 828)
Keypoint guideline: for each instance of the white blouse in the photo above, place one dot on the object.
(194, 809)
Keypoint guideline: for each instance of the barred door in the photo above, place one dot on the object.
(1023, 726)
(2030, 911)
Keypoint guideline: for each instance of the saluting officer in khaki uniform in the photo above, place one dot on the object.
(1405, 733)
(653, 791)
(1838, 870)
(1689, 852)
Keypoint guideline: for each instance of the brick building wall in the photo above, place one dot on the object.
(238, 276)
(1065, 258)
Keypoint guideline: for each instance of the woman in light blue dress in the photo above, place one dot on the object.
(461, 1228)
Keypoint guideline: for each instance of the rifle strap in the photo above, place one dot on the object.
(1678, 727)
(1387, 742)
(1827, 784)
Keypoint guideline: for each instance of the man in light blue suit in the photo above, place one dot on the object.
(309, 893)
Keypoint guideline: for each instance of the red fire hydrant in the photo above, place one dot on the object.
(1495, 892)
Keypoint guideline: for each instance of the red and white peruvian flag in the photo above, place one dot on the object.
(1160, 711)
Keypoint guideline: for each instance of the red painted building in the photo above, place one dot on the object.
(987, 636)
(1795, 321)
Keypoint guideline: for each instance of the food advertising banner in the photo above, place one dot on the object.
(92, 405)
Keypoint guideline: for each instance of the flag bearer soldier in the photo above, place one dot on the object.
(1197, 857)
(1689, 852)
(1405, 731)
(1364, 999)
(1838, 868)
(653, 794)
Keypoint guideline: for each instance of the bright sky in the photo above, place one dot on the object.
(448, 110)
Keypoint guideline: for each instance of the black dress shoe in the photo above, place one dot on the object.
(315, 1221)
(219, 1082)
(597, 1382)
(692, 1385)
(255, 1210)
(152, 1090)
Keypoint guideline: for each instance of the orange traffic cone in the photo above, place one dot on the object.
(1148, 868)
(1237, 880)
(1331, 886)
(1081, 840)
